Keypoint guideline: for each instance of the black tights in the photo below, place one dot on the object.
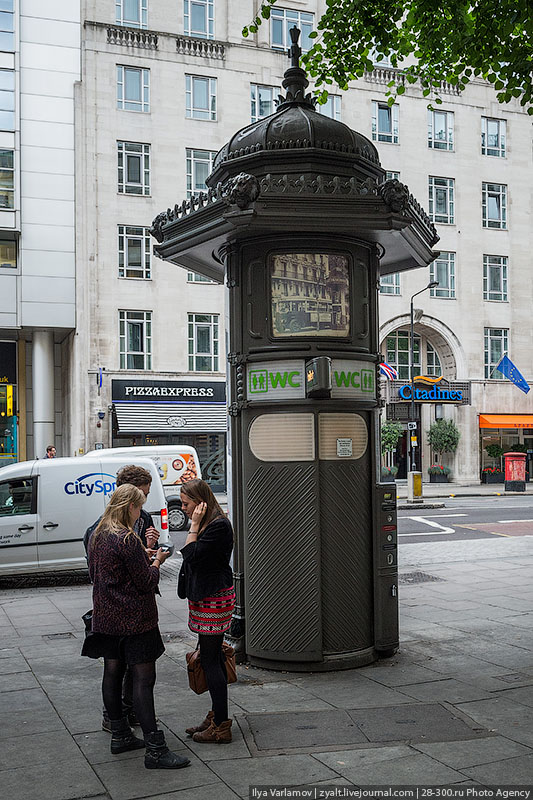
(214, 666)
(143, 680)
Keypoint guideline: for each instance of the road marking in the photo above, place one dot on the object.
(432, 524)
(437, 516)
(508, 521)
(427, 533)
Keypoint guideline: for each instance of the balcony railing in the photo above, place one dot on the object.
(205, 48)
(131, 37)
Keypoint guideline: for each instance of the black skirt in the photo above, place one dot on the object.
(137, 648)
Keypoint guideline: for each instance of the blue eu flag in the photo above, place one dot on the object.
(508, 369)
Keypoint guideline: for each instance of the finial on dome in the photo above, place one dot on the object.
(295, 81)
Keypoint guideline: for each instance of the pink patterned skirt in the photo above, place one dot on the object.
(212, 615)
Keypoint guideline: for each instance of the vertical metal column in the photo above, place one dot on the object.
(43, 391)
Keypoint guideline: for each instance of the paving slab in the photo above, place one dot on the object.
(418, 721)
(294, 770)
(448, 689)
(393, 766)
(513, 771)
(54, 779)
(471, 753)
(276, 696)
(214, 790)
(397, 673)
(303, 729)
(348, 690)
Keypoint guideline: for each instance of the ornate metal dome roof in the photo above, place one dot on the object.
(296, 125)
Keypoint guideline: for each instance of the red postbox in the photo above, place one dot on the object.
(515, 472)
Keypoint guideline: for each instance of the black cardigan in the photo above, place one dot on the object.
(205, 569)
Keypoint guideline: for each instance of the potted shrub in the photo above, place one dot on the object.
(492, 475)
(388, 474)
(438, 473)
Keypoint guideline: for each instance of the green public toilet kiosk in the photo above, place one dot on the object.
(299, 222)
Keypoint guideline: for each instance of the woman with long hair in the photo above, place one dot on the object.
(206, 579)
(124, 625)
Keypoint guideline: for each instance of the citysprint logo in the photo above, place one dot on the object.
(92, 483)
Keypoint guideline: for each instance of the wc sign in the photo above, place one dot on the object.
(276, 380)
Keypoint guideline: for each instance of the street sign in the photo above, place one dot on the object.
(411, 426)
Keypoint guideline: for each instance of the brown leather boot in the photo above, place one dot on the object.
(215, 734)
(203, 726)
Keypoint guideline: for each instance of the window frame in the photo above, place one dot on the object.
(501, 194)
(33, 499)
(9, 188)
(194, 111)
(391, 287)
(255, 102)
(191, 162)
(336, 106)
(394, 111)
(195, 277)
(446, 144)
(290, 17)
(7, 34)
(142, 6)
(502, 138)
(490, 335)
(447, 292)
(392, 356)
(124, 152)
(209, 18)
(6, 264)
(434, 369)
(450, 200)
(504, 279)
(124, 352)
(127, 233)
(193, 354)
(392, 175)
(143, 105)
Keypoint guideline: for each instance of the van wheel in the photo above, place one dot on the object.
(177, 518)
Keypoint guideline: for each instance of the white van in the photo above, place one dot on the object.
(46, 506)
(177, 464)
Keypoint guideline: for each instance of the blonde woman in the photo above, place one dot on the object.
(124, 626)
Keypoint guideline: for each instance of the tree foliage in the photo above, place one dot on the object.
(443, 436)
(455, 41)
(390, 435)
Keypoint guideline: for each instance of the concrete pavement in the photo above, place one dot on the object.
(454, 707)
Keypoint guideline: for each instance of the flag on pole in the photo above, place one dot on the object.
(509, 371)
(388, 371)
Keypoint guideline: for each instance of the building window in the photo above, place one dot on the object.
(195, 277)
(390, 284)
(7, 99)
(7, 179)
(443, 271)
(282, 20)
(133, 252)
(331, 108)
(7, 25)
(493, 137)
(441, 200)
(494, 205)
(133, 89)
(440, 130)
(133, 168)
(132, 13)
(199, 165)
(495, 278)
(495, 347)
(199, 19)
(203, 342)
(262, 101)
(8, 254)
(378, 59)
(433, 365)
(135, 335)
(200, 97)
(392, 176)
(398, 353)
(385, 122)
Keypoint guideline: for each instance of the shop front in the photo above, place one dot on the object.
(504, 433)
(8, 403)
(161, 412)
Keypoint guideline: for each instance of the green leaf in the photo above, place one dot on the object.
(400, 89)
(245, 32)
(313, 34)
(265, 12)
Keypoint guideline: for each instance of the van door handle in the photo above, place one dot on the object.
(48, 525)
(26, 528)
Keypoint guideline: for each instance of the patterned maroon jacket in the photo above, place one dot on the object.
(124, 586)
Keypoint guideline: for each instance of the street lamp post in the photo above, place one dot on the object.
(432, 285)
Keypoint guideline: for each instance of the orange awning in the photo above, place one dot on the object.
(506, 420)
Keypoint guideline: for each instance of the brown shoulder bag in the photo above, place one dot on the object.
(195, 671)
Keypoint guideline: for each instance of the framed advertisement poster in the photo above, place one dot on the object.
(310, 295)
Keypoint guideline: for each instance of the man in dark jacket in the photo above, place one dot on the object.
(149, 535)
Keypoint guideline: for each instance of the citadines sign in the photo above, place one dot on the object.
(427, 389)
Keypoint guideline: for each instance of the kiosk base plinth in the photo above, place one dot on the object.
(339, 661)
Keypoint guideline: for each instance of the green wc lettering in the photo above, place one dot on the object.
(282, 379)
(347, 379)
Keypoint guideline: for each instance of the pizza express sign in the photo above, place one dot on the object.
(168, 391)
(425, 389)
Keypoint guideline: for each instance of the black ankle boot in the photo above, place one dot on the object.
(158, 756)
(122, 737)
